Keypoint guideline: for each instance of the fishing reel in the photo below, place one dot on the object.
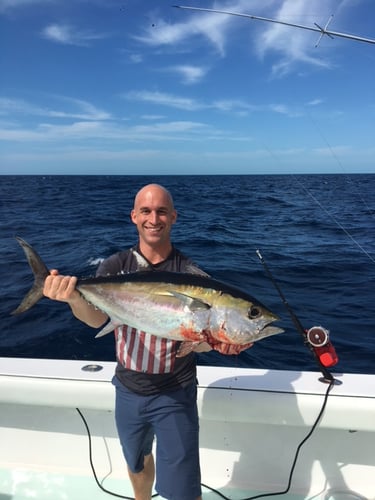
(317, 338)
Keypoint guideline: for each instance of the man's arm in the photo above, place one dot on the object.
(63, 289)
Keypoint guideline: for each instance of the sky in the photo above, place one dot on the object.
(142, 87)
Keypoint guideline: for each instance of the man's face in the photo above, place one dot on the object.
(154, 215)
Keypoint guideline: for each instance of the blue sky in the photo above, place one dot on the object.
(140, 87)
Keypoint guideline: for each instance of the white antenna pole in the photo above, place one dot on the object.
(318, 29)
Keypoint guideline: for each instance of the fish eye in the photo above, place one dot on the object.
(254, 312)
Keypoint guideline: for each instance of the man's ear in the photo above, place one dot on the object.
(133, 216)
(174, 216)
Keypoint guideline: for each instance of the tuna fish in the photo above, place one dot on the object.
(179, 306)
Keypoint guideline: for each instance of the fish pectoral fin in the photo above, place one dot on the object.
(191, 302)
(195, 346)
(186, 348)
(108, 328)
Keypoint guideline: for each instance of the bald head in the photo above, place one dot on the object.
(154, 191)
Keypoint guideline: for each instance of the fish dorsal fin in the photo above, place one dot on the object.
(193, 269)
(192, 303)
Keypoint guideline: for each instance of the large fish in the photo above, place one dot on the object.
(180, 306)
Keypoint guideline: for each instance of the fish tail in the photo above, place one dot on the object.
(40, 273)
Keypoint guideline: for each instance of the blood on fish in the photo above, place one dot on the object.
(190, 334)
(219, 337)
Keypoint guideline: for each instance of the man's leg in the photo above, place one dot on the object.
(136, 438)
(143, 481)
(176, 425)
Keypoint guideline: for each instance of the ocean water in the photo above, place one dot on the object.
(315, 232)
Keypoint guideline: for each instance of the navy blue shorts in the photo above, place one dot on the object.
(171, 417)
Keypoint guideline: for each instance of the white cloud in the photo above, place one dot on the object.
(164, 99)
(233, 105)
(209, 26)
(190, 74)
(84, 110)
(6, 5)
(283, 109)
(152, 117)
(315, 102)
(189, 104)
(69, 35)
(136, 58)
(112, 131)
(175, 127)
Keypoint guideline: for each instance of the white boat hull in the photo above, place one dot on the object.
(252, 422)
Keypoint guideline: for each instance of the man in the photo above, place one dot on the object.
(155, 387)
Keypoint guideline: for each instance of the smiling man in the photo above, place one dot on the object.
(155, 388)
(155, 378)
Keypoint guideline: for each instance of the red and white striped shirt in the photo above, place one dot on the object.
(142, 352)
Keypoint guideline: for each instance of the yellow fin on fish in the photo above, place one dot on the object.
(191, 302)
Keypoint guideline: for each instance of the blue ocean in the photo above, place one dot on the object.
(316, 234)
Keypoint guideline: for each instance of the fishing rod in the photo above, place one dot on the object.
(318, 29)
(316, 338)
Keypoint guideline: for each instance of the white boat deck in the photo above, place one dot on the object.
(44, 486)
(251, 424)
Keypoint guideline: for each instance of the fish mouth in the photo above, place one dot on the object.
(268, 331)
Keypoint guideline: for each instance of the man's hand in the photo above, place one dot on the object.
(196, 346)
(231, 348)
(221, 347)
(61, 288)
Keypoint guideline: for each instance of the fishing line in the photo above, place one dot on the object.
(92, 463)
(332, 217)
(338, 161)
(322, 207)
(338, 223)
(352, 183)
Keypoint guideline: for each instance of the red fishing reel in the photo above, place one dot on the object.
(318, 339)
